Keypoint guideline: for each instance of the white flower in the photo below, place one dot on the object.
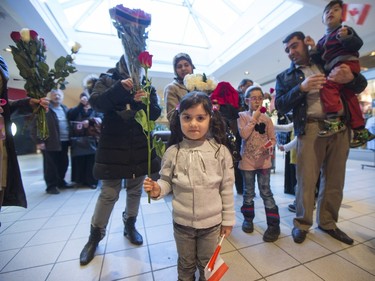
(199, 82)
(25, 35)
(76, 47)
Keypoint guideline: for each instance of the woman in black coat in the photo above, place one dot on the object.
(122, 153)
(12, 192)
(85, 125)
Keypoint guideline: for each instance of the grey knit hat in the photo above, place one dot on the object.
(179, 57)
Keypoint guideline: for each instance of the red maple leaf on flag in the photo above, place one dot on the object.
(356, 13)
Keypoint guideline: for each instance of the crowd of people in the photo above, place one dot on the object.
(108, 146)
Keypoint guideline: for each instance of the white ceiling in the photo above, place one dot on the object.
(224, 38)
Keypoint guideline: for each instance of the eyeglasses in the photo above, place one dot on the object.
(256, 98)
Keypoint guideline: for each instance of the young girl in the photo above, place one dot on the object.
(198, 168)
(258, 137)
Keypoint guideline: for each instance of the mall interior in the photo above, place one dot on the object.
(43, 241)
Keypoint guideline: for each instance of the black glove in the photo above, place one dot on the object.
(126, 114)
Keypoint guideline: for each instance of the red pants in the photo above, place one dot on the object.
(330, 97)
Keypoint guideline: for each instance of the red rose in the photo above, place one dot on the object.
(33, 34)
(145, 59)
(263, 109)
(16, 36)
(44, 47)
(272, 90)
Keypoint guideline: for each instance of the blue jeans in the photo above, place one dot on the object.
(263, 178)
(195, 248)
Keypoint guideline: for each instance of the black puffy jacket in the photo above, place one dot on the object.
(122, 150)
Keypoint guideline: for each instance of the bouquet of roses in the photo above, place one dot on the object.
(29, 55)
(199, 82)
(131, 26)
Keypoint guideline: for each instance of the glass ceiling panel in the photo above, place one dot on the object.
(187, 22)
(214, 31)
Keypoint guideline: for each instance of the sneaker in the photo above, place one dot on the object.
(361, 137)
(331, 127)
(53, 190)
(292, 207)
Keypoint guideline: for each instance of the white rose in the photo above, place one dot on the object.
(25, 35)
(76, 47)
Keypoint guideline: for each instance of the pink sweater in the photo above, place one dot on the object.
(254, 137)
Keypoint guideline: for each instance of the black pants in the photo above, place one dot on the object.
(55, 164)
(82, 170)
(290, 180)
(238, 178)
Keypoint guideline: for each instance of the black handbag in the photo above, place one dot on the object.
(85, 145)
(232, 145)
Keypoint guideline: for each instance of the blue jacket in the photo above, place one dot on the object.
(290, 97)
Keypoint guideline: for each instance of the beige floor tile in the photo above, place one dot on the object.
(239, 268)
(117, 241)
(334, 267)
(360, 255)
(305, 252)
(15, 240)
(6, 256)
(163, 255)
(71, 270)
(125, 263)
(58, 227)
(167, 274)
(35, 256)
(295, 274)
(158, 234)
(370, 243)
(51, 235)
(271, 260)
(158, 218)
(39, 273)
(240, 239)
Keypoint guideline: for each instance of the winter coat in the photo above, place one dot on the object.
(14, 194)
(122, 150)
(290, 97)
(173, 93)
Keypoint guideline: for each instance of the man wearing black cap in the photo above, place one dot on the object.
(174, 91)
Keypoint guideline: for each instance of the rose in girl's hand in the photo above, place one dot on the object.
(263, 109)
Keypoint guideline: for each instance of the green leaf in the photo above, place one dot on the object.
(43, 70)
(145, 100)
(159, 147)
(60, 64)
(151, 126)
(204, 79)
(141, 118)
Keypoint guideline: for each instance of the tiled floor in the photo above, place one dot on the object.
(43, 242)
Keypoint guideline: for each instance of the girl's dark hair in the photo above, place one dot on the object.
(217, 123)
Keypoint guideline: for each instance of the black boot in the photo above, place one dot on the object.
(273, 221)
(130, 232)
(248, 213)
(88, 251)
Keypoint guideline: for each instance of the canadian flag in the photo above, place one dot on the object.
(355, 12)
(216, 267)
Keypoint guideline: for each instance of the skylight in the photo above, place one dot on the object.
(212, 31)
